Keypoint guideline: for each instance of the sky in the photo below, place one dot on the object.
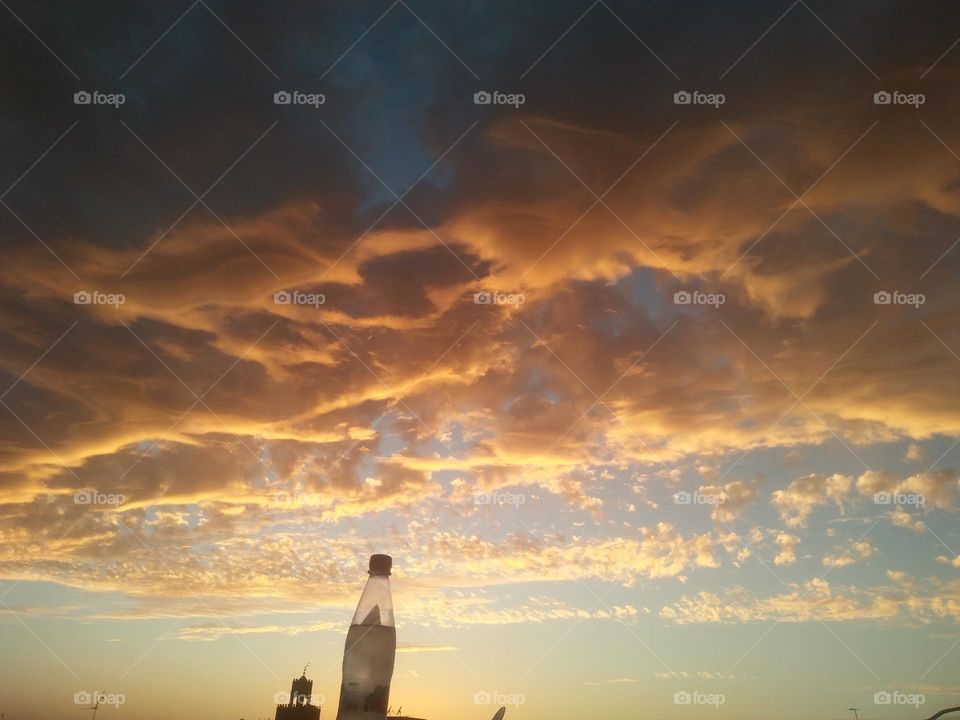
(630, 331)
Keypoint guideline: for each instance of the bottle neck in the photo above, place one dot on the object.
(376, 605)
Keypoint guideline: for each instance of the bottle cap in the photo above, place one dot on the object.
(380, 565)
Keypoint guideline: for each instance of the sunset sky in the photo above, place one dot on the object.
(245, 344)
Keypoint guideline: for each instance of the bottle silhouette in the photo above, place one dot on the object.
(370, 649)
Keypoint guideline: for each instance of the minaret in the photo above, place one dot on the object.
(301, 690)
(300, 705)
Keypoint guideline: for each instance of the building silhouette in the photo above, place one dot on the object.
(299, 707)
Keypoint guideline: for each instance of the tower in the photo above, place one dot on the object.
(301, 690)
(300, 706)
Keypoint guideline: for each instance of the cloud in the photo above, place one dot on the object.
(459, 611)
(842, 557)
(875, 481)
(901, 518)
(788, 549)
(903, 602)
(259, 445)
(614, 681)
(701, 675)
(415, 648)
(214, 631)
(796, 501)
(939, 489)
(736, 495)
(659, 552)
(735, 545)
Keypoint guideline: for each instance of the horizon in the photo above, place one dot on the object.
(629, 330)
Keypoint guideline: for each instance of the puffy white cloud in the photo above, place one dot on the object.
(796, 501)
(842, 556)
(788, 549)
(904, 519)
(931, 489)
(732, 497)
